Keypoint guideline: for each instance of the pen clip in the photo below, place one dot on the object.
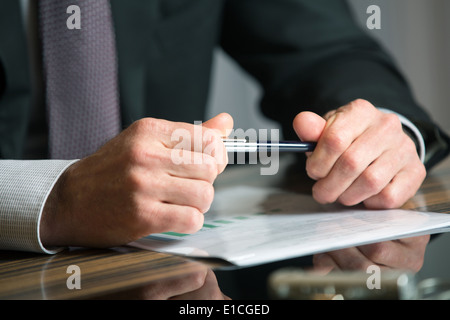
(233, 140)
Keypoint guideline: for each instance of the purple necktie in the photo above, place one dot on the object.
(80, 68)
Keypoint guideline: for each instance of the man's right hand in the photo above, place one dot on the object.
(132, 187)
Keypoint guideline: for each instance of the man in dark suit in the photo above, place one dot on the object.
(311, 61)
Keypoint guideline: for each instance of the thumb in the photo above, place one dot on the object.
(222, 122)
(309, 126)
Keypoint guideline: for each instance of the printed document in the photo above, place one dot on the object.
(249, 226)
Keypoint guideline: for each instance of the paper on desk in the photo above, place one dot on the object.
(247, 226)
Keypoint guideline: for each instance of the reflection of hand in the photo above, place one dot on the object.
(362, 155)
(199, 285)
(404, 254)
(207, 288)
(132, 187)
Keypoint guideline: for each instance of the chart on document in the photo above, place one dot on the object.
(248, 226)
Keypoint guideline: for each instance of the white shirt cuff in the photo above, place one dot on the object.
(24, 189)
(407, 123)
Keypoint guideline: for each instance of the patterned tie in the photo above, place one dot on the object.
(80, 67)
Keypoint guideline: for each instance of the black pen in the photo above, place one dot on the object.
(242, 145)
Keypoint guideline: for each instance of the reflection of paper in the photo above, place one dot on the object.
(248, 226)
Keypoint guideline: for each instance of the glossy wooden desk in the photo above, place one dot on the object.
(105, 273)
(102, 272)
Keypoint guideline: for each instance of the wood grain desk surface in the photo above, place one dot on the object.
(109, 271)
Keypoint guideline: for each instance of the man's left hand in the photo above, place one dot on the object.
(362, 155)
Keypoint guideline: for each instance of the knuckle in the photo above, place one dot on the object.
(208, 194)
(392, 122)
(348, 202)
(204, 193)
(322, 195)
(348, 199)
(373, 181)
(416, 265)
(214, 146)
(314, 170)
(137, 153)
(142, 125)
(193, 220)
(158, 216)
(213, 137)
(363, 104)
(151, 125)
(409, 146)
(320, 259)
(210, 167)
(350, 162)
(378, 252)
(141, 154)
(222, 164)
(421, 171)
(389, 199)
(196, 279)
(418, 173)
(360, 265)
(358, 105)
(334, 141)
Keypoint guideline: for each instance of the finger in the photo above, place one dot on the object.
(192, 150)
(341, 130)
(208, 291)
(350, 259)
(223, 123)
(349, 167)
(171, 217)
(215, 148)
(187, 192)
(178, 163)
(309, 126)
(368, 164)
(167, 288)
(383, 253)
(405, 254)
(205, 139)
(190, 137)
(373, 179)
(190, 165)
(179, 134)
(194, 136)
(329, 114)
(324, 263)
(400, 189)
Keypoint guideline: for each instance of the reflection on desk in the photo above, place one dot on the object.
(119, 273)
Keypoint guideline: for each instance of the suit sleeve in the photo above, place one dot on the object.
(311, 55)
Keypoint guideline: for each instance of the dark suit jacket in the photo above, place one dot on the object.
(307, 55)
